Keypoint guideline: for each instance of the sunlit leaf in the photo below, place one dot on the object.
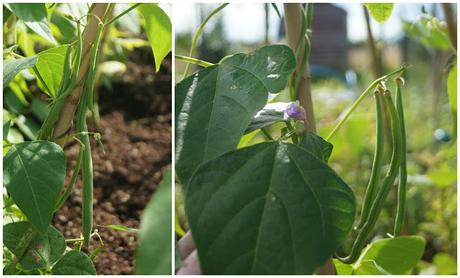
(34, 16)
(50, 66)
(158, 28)
(380, 11)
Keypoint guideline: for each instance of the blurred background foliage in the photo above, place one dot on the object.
(342, 66)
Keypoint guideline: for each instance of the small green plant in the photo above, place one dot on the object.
(35, 169)
(278, 207)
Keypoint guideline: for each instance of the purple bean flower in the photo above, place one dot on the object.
(294, 111)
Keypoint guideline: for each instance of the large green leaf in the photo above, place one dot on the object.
(34, 16)
(44, 250)
(17, 236)
(36, 250)
(158, 28)
(452, 92)
(215, 105)
(33, 173)
(50, 66)
(272, 208)
(319, 147)
(153, 254)
(74, 263)
(395, 256)
(13, 67)
(380, 11)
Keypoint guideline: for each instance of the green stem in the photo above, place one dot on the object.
(193, 61)
(361, 98)
(403, 169)
(122, 14)
(198, 33)
(72, 182)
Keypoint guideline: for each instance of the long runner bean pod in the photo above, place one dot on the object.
(382, 194)
(403, 168)
(87, 169)
(376, 164)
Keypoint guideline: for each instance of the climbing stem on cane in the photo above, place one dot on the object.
(378, 202)
(374, 179)
(403, 168)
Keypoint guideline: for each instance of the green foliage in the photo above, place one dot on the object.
(215, 105)
(381, 12)
(251, 211)
(50, 67)
(34, 174)
(429, 31)
(153, 254)
(158, 28)
(13, 67)
(74, 263)
(394, 256)
(34, 16)
(452, 93)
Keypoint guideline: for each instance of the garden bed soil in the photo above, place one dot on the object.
(136, 135)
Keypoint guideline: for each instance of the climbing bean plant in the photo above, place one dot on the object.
(35, 169)
(278, 207)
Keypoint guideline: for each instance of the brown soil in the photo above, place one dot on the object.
(136, 134)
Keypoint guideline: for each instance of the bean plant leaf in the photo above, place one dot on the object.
(6, 129)
(17, 236)
(44, 250)
(429, 31)
(74, 263)
(272, 208)
(158, 29)
(452, 92)
(13, 67)
(381, 12)
(36, 250)
(33, 174)
(319, 147)
(155, 233)
(395, 256)
(34, 16)
(50, 66)
(215, 105)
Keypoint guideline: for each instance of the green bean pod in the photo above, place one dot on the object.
(87, 170)
(387, 183)
(399, 221)
(376, 164)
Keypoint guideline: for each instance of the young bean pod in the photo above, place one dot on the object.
(387, 183)
(87, 170)
(403, 168)
(376, 164)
